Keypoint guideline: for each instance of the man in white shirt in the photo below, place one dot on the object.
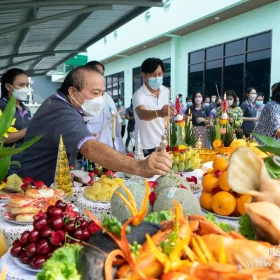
(98, 126)
(151, 105)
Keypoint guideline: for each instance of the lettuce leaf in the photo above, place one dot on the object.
(157, 217)
(62, 265)
(245, 227)
(224, 226)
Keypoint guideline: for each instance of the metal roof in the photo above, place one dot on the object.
(39, 35)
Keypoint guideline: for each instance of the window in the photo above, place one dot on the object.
(115, 86)
(234, 65)
(137, 79)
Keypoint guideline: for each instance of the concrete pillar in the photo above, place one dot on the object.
(175, 66)
(128, 88)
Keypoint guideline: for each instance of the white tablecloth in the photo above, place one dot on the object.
(15, 272)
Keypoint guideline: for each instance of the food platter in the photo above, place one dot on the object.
(25, 266)
(220, 216)
(13, 221)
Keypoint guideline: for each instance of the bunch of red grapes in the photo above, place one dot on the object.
(51, 230)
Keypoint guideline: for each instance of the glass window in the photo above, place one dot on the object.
(258, 67)
(167, 64)
(259, 42)
(230, 71)
(236, 47)
(121, 86)
(109, 85)
(213, 77)
(137, 83)
(214, 53)
(137, 71)
(197, 57)
(195, 81)
(167, 74)
(115, 85)
(233, 74)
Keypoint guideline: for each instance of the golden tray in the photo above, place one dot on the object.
(207, 154)
(224, 150)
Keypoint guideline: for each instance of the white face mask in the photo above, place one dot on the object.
(252, 97)
(92, 107)
(198, 100)
(230, 102)
(213, 99)
(21, 93)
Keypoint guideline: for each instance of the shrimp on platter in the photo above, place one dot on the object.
(185, 248)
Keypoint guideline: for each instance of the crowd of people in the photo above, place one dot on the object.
(246, 118)
(93, 125)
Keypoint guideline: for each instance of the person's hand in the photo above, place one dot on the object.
(200, 120)
(167, 110)
(158, 163)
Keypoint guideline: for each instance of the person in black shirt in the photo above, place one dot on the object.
(249, 112)
(16, 80)
(200, 118)
(131, 123)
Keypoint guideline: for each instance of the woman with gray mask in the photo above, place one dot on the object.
(16, 81)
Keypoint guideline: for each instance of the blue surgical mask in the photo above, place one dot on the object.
(189, 104)
(155, 83)
(259, 103)
(120, 103)
(181, 100)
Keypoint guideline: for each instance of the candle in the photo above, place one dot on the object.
(114, 127)
(225, 96)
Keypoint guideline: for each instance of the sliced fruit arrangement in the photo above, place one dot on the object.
(217, 195)
(103, 189)
(185, 159)
(58, 226)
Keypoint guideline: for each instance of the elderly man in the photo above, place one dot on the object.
(62, 114)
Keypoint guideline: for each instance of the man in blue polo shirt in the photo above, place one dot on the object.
(62, 114)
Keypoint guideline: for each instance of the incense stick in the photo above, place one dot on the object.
(168, 121)
(217, 92)
(114, 116)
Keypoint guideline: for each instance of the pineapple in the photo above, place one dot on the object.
(190, 136)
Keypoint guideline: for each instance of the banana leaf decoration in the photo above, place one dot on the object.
(191, 137)
(173, 136)
(6, 153)
(272, 148)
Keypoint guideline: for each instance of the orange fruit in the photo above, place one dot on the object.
(223, 182)
(245, 198)
(235, 213)
(205, 200)
(209, 182)
(220, 163)
(223, 203)
(210, 170)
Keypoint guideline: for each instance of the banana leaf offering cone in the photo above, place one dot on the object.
(63, 179)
